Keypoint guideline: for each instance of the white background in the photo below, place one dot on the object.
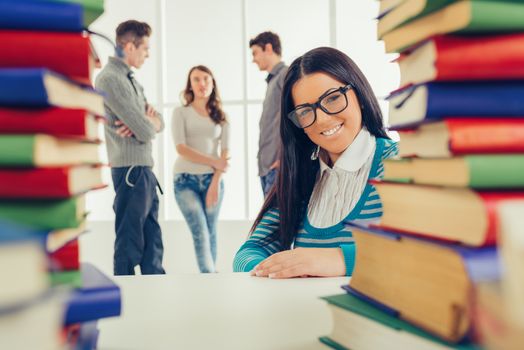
(216, 33)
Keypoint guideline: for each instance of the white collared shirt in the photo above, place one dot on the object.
(338, 189)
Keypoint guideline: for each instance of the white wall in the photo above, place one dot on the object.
(216, 33)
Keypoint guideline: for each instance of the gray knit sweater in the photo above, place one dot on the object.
(125, 101)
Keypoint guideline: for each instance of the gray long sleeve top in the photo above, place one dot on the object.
(269, 140)
(200, 133)
(125, 101)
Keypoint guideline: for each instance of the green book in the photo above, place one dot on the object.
(358, 324)
(44, 150)
(92, 9)
(331, 343)
(408, 11)
(44, 214)
(483, 171)
(67, 278)
(454, 17)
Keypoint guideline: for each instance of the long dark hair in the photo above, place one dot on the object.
(298, 172)
(214, 104)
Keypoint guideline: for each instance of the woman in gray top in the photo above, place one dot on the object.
(200, 129)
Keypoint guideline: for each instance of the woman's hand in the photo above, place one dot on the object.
(302, 262)
(220, 164)
(212, 194)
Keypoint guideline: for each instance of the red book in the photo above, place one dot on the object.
(448, 58)
(70, 54)
(451, 214)
(59, 182)
(66, 258)
(60, 122)
(458, 136)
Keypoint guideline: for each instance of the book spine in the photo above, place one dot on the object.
(41, 15)
(41, 215)
(486, 135)
(495, 17)
(52, 121)
(94, 305)
(64, 53)
(35, 183)
(467, 99)
(496, 171)
(23, 88)
(17, 150)
(498, 57)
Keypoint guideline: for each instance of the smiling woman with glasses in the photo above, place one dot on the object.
(333, 143)
(331, 102)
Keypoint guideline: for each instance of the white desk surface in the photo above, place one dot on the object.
(219, 311)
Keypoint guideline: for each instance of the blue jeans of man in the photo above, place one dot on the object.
(268, 180)
(190, 194)
(138, 234)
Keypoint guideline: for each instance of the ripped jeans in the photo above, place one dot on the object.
(190, 195)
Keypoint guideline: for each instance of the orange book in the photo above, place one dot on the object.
(458, 136)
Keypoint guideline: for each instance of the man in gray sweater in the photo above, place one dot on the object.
(267, 54)
(131, 126)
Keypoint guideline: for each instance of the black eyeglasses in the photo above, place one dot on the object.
(331, 102)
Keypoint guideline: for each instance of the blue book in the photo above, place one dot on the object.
(13, 233)
(433, 101)
(38, 87)
(422, 281)
(41, 15)
(99, 297)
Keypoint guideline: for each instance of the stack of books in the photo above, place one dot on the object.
(31, 312)
(49, 159)
(499, 306)
(460, 115)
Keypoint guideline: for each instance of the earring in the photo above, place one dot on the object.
(314, 155)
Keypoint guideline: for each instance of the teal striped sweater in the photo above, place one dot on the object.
(368, 209)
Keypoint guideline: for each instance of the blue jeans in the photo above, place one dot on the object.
(190, 194)
(268, 180)
(138, 234)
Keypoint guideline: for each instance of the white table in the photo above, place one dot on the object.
(219, 311)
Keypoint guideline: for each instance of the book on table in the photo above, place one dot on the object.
(360, 325)
(98, 297)
(422, 281)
